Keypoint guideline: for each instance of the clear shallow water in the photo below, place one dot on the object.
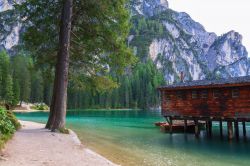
(130, 138)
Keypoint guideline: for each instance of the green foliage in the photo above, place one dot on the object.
(40, 106)
(4, 139)
(99, 55)
(9, 90)
(36, 86)
(13, 120)
(8, 122)
(22, 81)
(6, 82)
(16, 92)
(98, 38)
(21, 74)
(8, 125)
(137, 89)
(145, 30)
(64, 131)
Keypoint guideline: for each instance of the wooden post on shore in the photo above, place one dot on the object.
(170, 125)
(185, 125)
(230, 130)
(236, 129)
(244, 129)
(221, 129)
(197, 131)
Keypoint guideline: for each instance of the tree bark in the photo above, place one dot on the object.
(59, 99)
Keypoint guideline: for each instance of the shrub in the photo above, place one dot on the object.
(8, 125)
(13, 120)
(40, 106)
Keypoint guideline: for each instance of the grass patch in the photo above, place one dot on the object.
(61, 130)
(64, 130)
(4, 139)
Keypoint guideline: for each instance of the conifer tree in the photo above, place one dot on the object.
(21, 74)
(5, 78)
(77, 36)
(9, 91)
(16, 92)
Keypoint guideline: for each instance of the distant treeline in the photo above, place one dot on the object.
(22, 81)
(137, 90)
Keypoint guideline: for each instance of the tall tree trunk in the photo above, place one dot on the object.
(59, 99)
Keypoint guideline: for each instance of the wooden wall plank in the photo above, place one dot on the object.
(223, 106)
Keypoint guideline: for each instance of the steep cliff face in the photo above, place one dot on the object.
(5, 5)
(148, 7)
(184, 45)
(227, 56)
(248, 66)
(9, 34)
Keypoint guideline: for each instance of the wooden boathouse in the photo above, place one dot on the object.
(223, 100)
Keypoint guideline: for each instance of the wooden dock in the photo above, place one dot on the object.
(179, 126)
(192, 125)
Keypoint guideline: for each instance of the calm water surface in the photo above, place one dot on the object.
(130, 138)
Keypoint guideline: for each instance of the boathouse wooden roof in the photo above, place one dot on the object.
(229, 82)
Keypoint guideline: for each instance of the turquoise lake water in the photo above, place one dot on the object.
(130, 138)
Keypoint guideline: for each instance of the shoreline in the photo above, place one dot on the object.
(77, 141)
(32, 145)
(101, 109)
(28, 111)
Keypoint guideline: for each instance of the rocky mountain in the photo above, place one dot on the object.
(5, 5)
(173, 40)
(176, 43)
(9, 35)
(148, 7)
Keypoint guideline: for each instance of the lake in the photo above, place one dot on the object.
(130, 138)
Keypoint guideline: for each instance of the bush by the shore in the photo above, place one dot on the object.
(8, 125)
(40, 106)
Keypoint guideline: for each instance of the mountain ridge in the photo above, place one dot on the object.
(185, 46)
(173, 41)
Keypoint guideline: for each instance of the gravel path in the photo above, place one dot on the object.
(35, 146)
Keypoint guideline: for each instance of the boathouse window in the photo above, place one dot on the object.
(216, 93)
(180, 95)
(204, 94)
(235, 93)
(194, 94)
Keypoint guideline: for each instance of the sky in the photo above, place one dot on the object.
(219, 16)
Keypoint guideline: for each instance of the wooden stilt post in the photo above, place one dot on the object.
(197, 131)
(244, 129)
(236, 129)
(210, 126)
(170, 125)
(207, 128)
(230, 130)
(185, 125)
(221, 129)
